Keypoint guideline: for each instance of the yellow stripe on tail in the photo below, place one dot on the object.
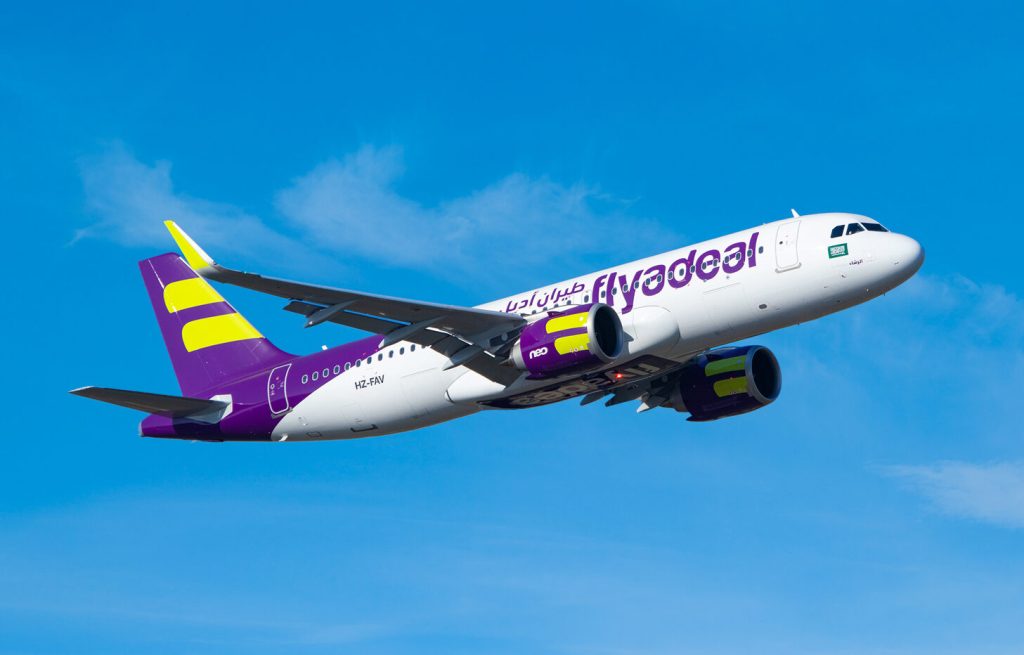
(191, 292)
(215, 330)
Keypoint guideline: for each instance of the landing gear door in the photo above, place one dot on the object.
(277, 389)
(787, 257)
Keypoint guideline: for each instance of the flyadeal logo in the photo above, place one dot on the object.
(838, 250)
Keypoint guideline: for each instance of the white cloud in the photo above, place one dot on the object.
(934, 338)
(518, 227)
(517, 223)
(132, 200)
(992, 493)
(982, 311)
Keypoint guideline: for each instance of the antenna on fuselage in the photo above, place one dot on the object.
(795, 215)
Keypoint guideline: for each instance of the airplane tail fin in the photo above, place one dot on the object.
(208, 341)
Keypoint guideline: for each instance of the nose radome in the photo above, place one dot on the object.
(907, 254)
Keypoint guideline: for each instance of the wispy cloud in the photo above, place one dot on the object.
(992, 493)
(518, 226)
(519, 221)
(132, 199)
(983, 311)
(965, 335)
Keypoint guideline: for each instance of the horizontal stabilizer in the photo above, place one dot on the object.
(154, 403)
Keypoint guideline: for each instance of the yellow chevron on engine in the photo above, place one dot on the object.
(726, 366)
(569, 322)
(731, 386)
(572, 343)
(190, 292)
(215, 330)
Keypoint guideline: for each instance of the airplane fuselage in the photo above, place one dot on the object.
(672, 306)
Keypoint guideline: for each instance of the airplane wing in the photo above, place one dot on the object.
(475, 338)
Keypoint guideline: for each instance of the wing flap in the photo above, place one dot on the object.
(350, 319)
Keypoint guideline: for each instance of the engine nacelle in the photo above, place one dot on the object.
(729, 381)
(568, 341)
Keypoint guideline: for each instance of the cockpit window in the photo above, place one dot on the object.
(874, 227)
(837, 231)
(853, 228)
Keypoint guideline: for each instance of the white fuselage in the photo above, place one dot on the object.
(795, 272)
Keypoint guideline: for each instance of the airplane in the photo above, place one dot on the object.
(652, 331)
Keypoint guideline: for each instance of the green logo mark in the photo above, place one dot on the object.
(837, 251)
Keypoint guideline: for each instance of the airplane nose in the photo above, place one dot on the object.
(907, 254)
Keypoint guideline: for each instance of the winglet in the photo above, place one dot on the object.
(194, 255)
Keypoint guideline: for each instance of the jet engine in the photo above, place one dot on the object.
(575, 339)
(729, 381)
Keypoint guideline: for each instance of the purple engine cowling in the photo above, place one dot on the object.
(729, 381)
(575, 339)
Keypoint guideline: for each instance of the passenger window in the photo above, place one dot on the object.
(348, 365)
(380, 357)
(853, 228)
(305, 379)
(412, 348)
(327, 372)
(391, 353)
(401, 351)
(337, 369)
(369, 360)
(837, 231)
(359, 363)
(316, 376)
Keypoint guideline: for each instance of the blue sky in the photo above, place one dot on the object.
(458, 154)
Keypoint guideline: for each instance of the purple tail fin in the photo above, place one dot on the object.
(208, 341)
